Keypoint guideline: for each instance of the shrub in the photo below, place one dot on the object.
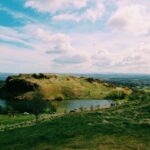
(59, 98)
(7, 110)
(21, 85)
(39, 76)
(116, 95)
(139, 95)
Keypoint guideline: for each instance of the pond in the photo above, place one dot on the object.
(67, 105)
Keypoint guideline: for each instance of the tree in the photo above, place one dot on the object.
(38, 104)
(0, 109)
(117, 95)
(139, 95)
(7, 110)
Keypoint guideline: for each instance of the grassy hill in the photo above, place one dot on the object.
(57, 87)
(124, 127)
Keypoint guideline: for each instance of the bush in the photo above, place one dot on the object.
(7, 110)
(21, 85)
(59, 98)
(39, 76)
(139, 95)
(37, 105)
(116, 95)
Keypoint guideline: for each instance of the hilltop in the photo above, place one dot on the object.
(57, 87)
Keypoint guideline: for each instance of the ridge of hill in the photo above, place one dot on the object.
(57, 87)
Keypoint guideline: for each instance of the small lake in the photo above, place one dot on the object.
(2, 103)
(67, 105)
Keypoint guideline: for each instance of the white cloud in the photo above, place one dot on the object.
(59, 43)
(54, 42)
(70, 59)
(91, 14)
(94, 13)
(52, 6)
(65, 52)
(47, 48)
(37, 46)
(37, 38)
(132, 18)
(70, 10)
(131, 59)
(102, 59)
(67, 17)
(136, 57)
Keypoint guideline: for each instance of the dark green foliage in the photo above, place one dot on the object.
(139, 95)
(37, 105)
(38, 102)
(91, 80)
(20, 106)
(59, 98)
(51, 108)
(117, 95)
(39, 76)
(9, 110)
(21, 85)
(8, 79)
(2, 83)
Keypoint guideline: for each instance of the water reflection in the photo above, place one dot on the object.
(68, 105)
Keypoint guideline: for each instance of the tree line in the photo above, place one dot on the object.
(36, 106)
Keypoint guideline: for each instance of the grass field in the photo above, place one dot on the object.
(5, 119)
(125, 127)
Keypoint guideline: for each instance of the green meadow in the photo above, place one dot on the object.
(124, 127)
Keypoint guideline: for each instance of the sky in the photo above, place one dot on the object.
(75, 36)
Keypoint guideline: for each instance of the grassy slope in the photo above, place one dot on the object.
(68, 87)
(5, 119)
(124, 128)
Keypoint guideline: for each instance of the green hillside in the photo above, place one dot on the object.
(57, 87)
(125, 127)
